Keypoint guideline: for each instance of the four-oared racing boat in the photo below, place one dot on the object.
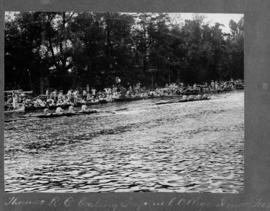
(183, 100)
(53, 115)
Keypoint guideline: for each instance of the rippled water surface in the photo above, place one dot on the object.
(180, 147)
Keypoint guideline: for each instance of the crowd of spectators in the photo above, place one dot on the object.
(83, 96)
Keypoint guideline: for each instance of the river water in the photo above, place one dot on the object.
(179, 147)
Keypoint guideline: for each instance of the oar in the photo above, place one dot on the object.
(121, 109)
(110, 112)
(115, 111)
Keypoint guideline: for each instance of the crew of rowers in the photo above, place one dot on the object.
(71, 110)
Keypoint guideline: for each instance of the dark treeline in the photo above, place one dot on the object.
(70, 50)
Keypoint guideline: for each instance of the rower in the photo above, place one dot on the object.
(190, 98)
(84, 108)
(46, 111)
(71, 109)
(205, 97)
(198, 97)
(59, 110)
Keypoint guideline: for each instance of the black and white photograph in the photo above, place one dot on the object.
(100, 102)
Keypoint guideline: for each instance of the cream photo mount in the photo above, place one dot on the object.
(256, 195)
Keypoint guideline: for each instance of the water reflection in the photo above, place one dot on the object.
(194, 146)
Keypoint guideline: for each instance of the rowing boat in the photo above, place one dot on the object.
(34, 108)
(182, 100)
(53, 115)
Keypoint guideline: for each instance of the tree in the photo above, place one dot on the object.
(236, 49)
(66, 49)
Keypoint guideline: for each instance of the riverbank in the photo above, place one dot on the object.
(18, 102)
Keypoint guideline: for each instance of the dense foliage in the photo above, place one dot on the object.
(70, 50)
